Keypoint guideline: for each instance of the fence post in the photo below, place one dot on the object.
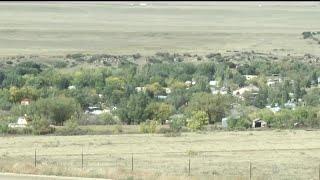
(319, 171)
(82, 158)
(189, 166)
(250, 172)
(35, 157)
(131, 162)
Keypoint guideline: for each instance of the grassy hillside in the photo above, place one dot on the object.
(68, 28)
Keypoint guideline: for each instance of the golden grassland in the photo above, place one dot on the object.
(58, 29)
(280, 154)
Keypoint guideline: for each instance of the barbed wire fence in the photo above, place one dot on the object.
(190, 163)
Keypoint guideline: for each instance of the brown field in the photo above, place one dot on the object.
(285, 154)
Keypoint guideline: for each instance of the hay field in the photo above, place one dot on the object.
(274, 154)
(61, 28)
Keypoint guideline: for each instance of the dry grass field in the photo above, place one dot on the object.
(274, 154)
(60, 28)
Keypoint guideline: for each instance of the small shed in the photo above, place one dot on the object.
(258, 123)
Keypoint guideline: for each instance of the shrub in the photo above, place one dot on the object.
(71, 127)
(117, 129)
(239, 123)
(4, 128)
(177, 122)
(149, 126)
(41, 126)
(108, 119)
(60, 64)
(198, 120)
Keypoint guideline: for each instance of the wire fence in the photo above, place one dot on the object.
(178, 163)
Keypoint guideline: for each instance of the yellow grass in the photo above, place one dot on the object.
(279, 154)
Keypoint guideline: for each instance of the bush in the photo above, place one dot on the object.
(71, 127)
(108, 119)
(239, 123)
(149, 126)
(177, 122)
(60, 64)
(117, 129)
(198, 120)
(4, 128)
(41, 126)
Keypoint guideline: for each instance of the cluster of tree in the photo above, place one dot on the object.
(52, 98)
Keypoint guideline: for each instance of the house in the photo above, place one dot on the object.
(213, 83)
(290, 105)
(258, 123)
(71, 87)
(161, 97)
(222, 90)
(241, 91)
(274, 109)
(22, 122)
(249, 77)
(94, 110)
(140, 89)
(25, 101)
(275, 79)
(189, 83)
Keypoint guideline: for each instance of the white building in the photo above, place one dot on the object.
(249, 77)
(72, 87)
(213, 83)
(21, 123)
(140, 89)
(241, 91)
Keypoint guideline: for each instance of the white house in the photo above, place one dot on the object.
(25, 101)
(21, 123)
(213, 83)
(72, 87)
(241, 91)
(249, 77)
(140, 89)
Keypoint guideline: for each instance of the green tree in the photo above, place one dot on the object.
(216, 106)
(159, 111)
(198, 120)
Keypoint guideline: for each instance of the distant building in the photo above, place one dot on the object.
(140, 89)
(22, 122)
(213, 83)
(258, 123)
(161, 97)
(25, 101)
(241, 91)
(249, 77)
(222, 90)
(189, 83)
(72, 87)
(275, 79)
